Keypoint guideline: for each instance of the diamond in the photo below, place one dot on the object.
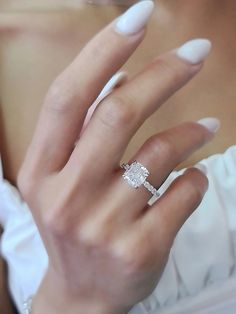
(136, 174)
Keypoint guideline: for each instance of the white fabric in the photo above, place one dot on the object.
(199, 277)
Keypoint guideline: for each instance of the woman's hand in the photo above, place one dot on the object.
(106, 247)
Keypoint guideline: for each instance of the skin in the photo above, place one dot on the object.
(16, 140)
(38, 47)
(94, 225)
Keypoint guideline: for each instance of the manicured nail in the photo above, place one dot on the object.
(115, 80)
(202, 168)
(194, 51)
(135, 18)
(211, 124)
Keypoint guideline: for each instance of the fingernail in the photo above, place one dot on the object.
(135, 18)
(115, 80)
(202, 168)
(211, 124)
(194, 51)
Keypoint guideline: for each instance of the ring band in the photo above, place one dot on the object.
(136, 175)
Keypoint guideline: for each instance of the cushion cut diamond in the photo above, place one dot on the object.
(136, 174)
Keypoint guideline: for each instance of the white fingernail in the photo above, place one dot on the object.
(135, 18)
(211, 124)
(194, 51)
(115, 80)
(202, 168)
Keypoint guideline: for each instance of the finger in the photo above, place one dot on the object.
(160, 154)
(164, 219)
(122, 113)
(73, 92)
(117, 80)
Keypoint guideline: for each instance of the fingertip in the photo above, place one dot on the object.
(194, 51)
(212, 124)
(135, 18)
(201, 180)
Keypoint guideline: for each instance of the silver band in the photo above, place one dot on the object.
(136, 175)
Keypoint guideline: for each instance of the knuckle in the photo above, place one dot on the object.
(132, 258)
(173, 72)
(56, 220)
(94, 236)
(26, 184)
(136, 265)
(194, 190)
(61, 215)
(161, 146)
(59, 97)
(117, 112)
(137, 262)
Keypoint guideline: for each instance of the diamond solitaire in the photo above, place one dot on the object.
(136, 175)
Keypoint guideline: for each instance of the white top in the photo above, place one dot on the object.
(200, 275)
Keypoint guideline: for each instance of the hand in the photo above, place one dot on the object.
(106, 247)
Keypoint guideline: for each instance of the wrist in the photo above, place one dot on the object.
(51, 298)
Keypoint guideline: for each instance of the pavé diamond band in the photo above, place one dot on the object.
(136, 175)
